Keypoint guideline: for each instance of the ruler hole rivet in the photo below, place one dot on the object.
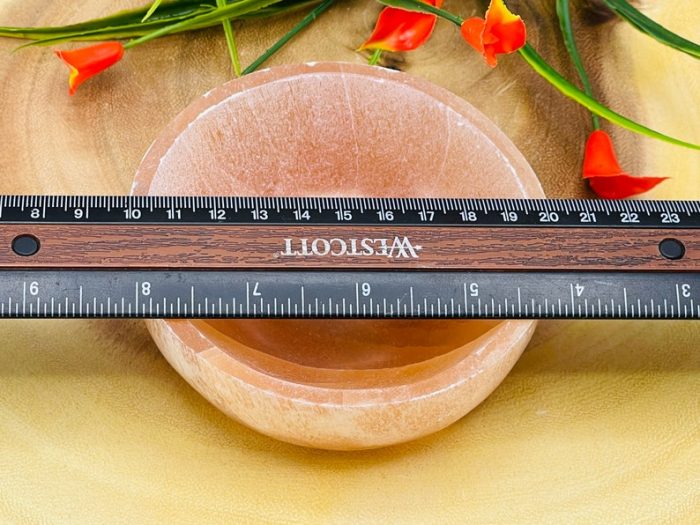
(672, 249)
(25, 245)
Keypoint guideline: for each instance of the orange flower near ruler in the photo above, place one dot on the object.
(400, 30)
(500, 32)
(604, 174)
(86, 62)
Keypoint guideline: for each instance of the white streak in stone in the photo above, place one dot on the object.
(352, 124)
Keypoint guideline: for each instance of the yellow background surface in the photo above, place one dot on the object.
(598, 421)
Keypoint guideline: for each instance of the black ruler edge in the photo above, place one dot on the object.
(349, 294)
(348, 211)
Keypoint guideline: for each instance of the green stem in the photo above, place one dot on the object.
(541, 67)
(230, 41)
(422, 7)
(151, 10)
(288, 36)
(215, 15)
(375, 57)
(568, 33)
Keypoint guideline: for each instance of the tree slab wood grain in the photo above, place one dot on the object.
(599, 421)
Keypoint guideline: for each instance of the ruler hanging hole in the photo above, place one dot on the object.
(672, 249)
(25, 245)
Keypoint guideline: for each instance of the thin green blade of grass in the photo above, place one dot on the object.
(286, 6)
(307, 20)
(567, 32)
(646, 25)
(566, 88)
(417, 5)
(230, 42)
(155, 5)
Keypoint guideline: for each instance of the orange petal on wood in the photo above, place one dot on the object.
(400, 30)
(86, 62)
(622, 186)
(604, 174)
(501, 32)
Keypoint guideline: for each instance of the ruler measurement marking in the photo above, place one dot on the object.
(572, 297)
(113, 208)
(636, 302)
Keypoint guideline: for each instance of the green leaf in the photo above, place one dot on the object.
(112, 33)
(565, 87)
(127, 24)
(568, 34)
(168, 12)
(217, 15)
(646, 25)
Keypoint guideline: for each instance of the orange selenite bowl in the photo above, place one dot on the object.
(333, 129)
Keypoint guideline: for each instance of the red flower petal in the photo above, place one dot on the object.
(604, 174)
(86, 62)
(501, 32)
(472, 30)
(400, 30)
(599, 158)
(622, 186)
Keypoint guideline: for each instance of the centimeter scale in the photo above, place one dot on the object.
(226, 257)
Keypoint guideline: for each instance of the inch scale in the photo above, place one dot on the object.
(304, 257)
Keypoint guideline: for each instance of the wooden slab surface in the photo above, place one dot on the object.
(599, 421)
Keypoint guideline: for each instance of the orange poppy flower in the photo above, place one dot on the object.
(86, 62)
(604, 174)
(500, 32)
(400, 30)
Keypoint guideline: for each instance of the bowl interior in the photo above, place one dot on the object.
(335, 130)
